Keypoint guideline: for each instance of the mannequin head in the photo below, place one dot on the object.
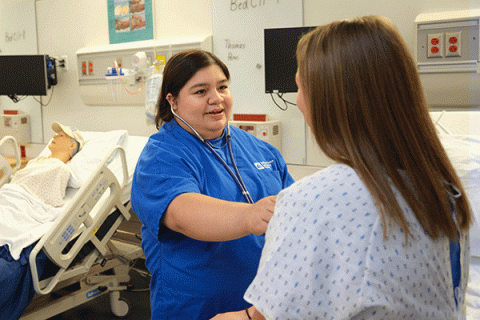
(63, 147)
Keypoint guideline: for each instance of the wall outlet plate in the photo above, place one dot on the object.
(435, 43)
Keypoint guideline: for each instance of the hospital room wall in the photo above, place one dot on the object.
(403, 14)
(65, 26)
(68, 25)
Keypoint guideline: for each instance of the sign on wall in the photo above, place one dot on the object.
(130, 20)
(18, 36)
(18, 30)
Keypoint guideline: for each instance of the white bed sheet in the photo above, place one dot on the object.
(24, 218)
(16, 202)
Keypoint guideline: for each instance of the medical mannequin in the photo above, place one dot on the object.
(46, 179)
(383, 233)
(203, 202)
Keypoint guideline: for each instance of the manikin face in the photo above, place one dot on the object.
(301, 99)
(204, 102)
(61, 143)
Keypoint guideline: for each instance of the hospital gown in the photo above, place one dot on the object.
(325, 258)
(45, 178)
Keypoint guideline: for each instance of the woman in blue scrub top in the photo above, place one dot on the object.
(204, 192)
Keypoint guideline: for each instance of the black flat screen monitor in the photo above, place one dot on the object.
(280, 59)
(23, 75)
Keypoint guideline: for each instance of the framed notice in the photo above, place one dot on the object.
(130, 20)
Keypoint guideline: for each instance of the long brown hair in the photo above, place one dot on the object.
(180, 68)
(367, 110)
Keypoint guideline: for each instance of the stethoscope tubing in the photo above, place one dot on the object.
(235, 175)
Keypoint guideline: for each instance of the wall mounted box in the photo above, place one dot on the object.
(447, 55)
(93, 63)
(269, 131)
(17, 126)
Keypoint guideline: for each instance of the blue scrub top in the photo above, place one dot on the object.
(194, 279)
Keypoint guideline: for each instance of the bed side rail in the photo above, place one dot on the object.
(81, 219)
(7, 170)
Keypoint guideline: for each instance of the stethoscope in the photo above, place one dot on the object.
(235, 175)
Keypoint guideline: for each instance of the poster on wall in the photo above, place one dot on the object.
(130, 20)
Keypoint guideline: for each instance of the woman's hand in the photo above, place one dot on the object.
(240, 315)
(259, 214)
(237, 315)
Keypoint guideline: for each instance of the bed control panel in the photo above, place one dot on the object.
(87, 206)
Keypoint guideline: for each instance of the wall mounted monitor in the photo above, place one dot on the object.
(23, 75)
(280, 59)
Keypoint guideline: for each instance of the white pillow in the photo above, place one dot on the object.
(97, 145)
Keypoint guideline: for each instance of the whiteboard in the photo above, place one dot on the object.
(18, 28)
(238, 41)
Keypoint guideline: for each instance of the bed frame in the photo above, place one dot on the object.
(6, 169)
(86, 262)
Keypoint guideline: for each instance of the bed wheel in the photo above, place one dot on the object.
(121, 308)
(124, 307)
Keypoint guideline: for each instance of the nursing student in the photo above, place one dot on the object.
(383, 233)
(204, 192)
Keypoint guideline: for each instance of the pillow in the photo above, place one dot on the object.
(97, 145)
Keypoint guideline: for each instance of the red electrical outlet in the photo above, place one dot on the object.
(84, 68)
(90, 68)
(435, 44)
(454, 44)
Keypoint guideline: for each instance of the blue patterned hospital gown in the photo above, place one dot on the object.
(325, 258)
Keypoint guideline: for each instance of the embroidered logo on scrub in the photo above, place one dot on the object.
(263, 165)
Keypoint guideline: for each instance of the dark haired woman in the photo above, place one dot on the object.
(204, 193)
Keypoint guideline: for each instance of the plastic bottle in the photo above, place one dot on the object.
(154, 80)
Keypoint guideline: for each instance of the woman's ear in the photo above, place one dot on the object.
(171, 99)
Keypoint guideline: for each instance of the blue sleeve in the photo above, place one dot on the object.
(160, 176)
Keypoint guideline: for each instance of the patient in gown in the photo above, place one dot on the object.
(47, 178)
(22, 219)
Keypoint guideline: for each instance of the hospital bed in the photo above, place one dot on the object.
(85, 261)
